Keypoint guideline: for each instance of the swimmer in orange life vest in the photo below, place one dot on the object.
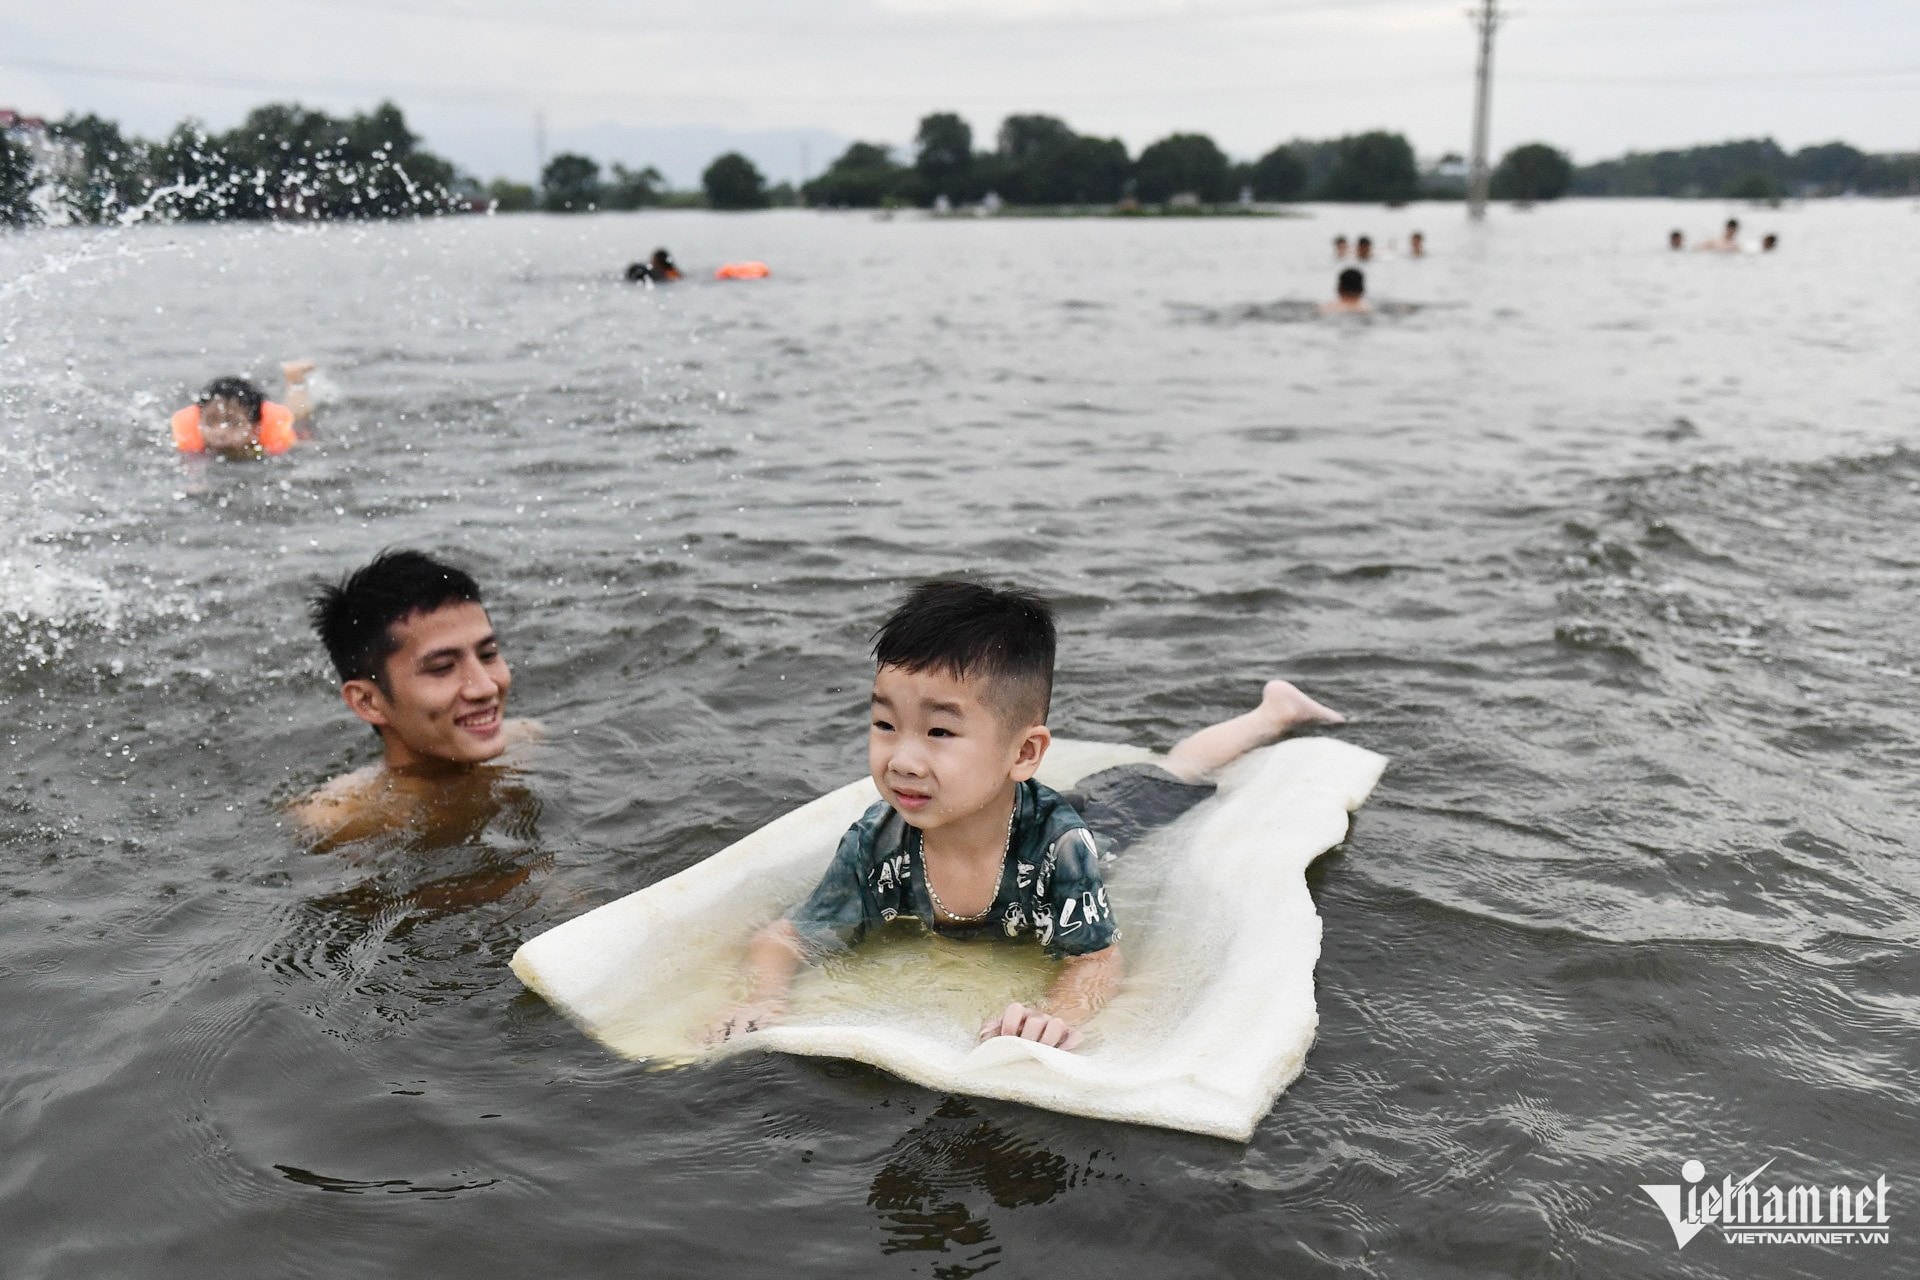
(233, 419)
(657, 270)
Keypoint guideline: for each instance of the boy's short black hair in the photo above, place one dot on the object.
(355, 617)
(1353, 283)
(237, 389)
(1003, 638)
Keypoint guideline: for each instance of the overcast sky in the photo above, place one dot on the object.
(791, 81)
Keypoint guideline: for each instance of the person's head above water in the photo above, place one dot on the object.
(230, 410)
(1769, 242)
(1339, 246)
(961, 692)
(1733, 228)
(1363, 248)
(1676, 239)
(1000, 641)
(1417, 244)
(1352, 285)
(417, 659)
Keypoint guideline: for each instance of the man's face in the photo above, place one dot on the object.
(225, 425)
(445, 693)
(936, 751)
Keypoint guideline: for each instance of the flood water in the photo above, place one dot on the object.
(1613, 550)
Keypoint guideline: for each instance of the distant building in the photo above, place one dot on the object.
(54, 159)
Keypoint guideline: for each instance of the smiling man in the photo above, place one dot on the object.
(418, 661)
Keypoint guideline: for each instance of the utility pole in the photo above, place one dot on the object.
(539, 148)
(1486, 21)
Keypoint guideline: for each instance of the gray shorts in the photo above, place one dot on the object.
(1124, 803)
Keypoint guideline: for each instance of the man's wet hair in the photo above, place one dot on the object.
(239, 390)
(355, 617)
(1353, 283)
(1002, 638)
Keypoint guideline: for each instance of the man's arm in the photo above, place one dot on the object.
(1083, 988)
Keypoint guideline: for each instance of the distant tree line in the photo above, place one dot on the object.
(1040, 160)
(285, 161)
(282, 161)
(1751, 170)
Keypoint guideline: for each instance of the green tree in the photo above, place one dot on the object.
(570, 184)
(16, 184)
(1372, 167)
(634, 190)
(510, 197)
(1183, 163)
(1534, 171)
(1279, 175)
(943, 156)
(113, 174)
(1753, 186)
(864, 177)
(733, 182)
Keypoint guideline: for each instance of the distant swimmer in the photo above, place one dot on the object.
(234, 419)
(1352, 297)
(419, 661)
(1728, 240)
(657, 270)
(1676, 239)
(1417, 245)
(1769, 243)
(1363, 249)
(1339, 248)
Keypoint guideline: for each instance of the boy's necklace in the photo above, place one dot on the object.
(926, 873)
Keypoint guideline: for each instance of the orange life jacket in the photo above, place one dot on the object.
(742, 271)
(275, 431)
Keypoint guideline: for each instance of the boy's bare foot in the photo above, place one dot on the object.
(1287, 709)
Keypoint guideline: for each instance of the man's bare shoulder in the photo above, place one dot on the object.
(349, 807)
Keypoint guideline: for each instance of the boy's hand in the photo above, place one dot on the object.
(748, 1015)
(296, 371)
(1032, 1024)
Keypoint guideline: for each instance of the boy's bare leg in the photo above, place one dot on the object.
(1282, 709)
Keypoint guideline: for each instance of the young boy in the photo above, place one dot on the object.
(963, 838)
(234, 419)
(419, 661)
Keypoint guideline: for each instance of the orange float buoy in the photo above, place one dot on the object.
(742, 271)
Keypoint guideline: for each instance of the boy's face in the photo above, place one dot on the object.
(938, 753)
(445, 694)
(225, 425)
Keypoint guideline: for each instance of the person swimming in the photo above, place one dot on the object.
(1363, 249)
(657, 270)
(1417, 245)
(1352, 293)
(1769, 242)
(234, 419)
(1339, 248)
(1728, 241)
(419, 661)
(1676, 239)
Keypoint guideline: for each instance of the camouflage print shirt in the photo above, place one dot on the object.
(1050, 885)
